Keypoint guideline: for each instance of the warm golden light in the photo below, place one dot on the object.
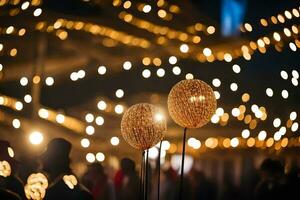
(115, 141)
(276, 36)
(36, 186)
(191, 103)
(90, 157)
(210, 30)
(245, 97)
(85, 143)
(184, 48)
(251, 142)
(5, 169)
(70, 181)
(142, 127)
(36, 138)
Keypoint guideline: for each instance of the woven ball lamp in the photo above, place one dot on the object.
(143, 126)
(191, 103)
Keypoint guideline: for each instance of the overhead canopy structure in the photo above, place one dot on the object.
(71, 68)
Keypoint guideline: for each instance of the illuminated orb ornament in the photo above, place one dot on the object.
(191, 103)
(36, 186)
(143, 126)
(5, 169)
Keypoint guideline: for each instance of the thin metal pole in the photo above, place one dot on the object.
(182, 164)
(141, 192)
(158, 169)
(146, 176)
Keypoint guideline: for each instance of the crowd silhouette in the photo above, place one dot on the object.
(274, 182)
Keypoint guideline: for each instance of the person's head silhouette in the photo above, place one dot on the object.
(56, 159)
(271, 168)
(127, 166)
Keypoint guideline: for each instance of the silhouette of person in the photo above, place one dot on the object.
(293, 180)
(96, 180)
(11, 184)
(203, 188)
(167, 185)
(272, 185)
(130, 181)
(56, 164)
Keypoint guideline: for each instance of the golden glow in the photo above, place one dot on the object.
(280, 18)
(262, 135)
(102, 69)
(226, 142)
(157, 61)
(210, 30)
(119, 93)
(114, 141)
(62, 34)
(13, 52)
(264, 22)
(162, 13)
(274, 20)
(37, 12)
(253, 124)
(184, 48)
(16, 123)
(194, 143)
(36, 138)
(269, 142)
(146, 8)
(284, 142)
(227, 57)
(295, 12)
(234, 142)
(288, 14)
(60, 118)
(85, 143)
(119, 109)
(90, 157)
(196, 39)
(245, 97)
(295, 29)
(11, 152)
(245, 133)
(36, 186)
(18, 105)
(253, 45)
(207, 52)
(251, 142)
(292, 46)
(5, 169)
(127, 4)
(146, 73)
(160, 72)
(90, 130)
(96, 29)
(248, 27)
(211, 142)
(276, 36)
(36, 79)
(146, 61)
(70, 181)
(189, 76)
(100, 157)
(43, 113)
(102, 105)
